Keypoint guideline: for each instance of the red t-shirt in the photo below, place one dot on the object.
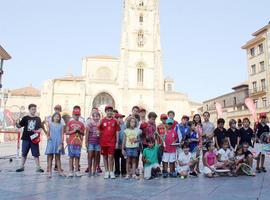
(72, 125)
(171, 136)
(108, 129)
(174, 124)
(161, 129)
(148, 130)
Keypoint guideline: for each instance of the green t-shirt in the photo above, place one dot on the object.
(151, 154)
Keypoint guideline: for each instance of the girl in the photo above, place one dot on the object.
(193, 139)
(210, 161)
(239, 159)
(130, 146)
(198, 128)
(55, 136)
(92, 143)
(232, 134)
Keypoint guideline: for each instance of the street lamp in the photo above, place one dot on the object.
(5, 98)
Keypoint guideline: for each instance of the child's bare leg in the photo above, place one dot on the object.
(210, 175)
(58, 163)
(77, 163)
(49, 160)
(106, 163)
(172, 167)
(184, 173)
(262, 160)
(111, 163)
(134, 162)
(90, 165)
(258, 161)
(71, 164)
(165, 166)
(37, 161)
(98, 159)
(95, 162)
(250, 160)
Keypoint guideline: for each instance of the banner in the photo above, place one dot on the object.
(219, 110)
(252, 108)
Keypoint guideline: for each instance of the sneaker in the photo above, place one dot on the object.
(193, 174)
(99, 170)
(71, 174)
(90, 174)
(20, 169)
(50, 175)
(263, 169)
(39, 169)
(78, 174)
(106, 175)
(258, 170)
(117, 175)
(112, 176)
(165, 175)
(87, 170)
(96, 174)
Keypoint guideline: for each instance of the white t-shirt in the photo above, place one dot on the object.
(208, 128)
(184, 158)
(224, 155)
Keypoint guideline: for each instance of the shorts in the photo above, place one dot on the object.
(207, 170)
(74, 151)
(169, 157)
(180, 169)
(106, 150)
(93, 147)
(27, 145)
(148, 170)
(132, 152)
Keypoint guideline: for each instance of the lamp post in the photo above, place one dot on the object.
(5, 98)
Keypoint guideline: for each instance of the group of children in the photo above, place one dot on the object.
(180, 148)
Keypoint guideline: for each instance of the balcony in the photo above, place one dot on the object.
(257, 91)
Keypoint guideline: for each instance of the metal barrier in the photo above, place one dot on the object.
(12, 135)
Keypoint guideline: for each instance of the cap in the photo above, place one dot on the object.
(108, 107)
(76, 112)
(262, 115)
(185, 117)
(169, 121)
(118, 115)
(142, 110)
(163, 116)
(59, 107)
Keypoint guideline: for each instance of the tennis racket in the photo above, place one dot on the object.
(162, 138)
(195, 154)
(221, 170)
(247, 169)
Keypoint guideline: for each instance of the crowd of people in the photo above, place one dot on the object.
(166, 148)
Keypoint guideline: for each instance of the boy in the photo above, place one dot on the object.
(161, 130)
(31, 124)
(224, 155)
(150, 159)
(207, 128)
(75, 130)
(183, 129)
(118, 151)
(248, 155)
(171, 115)
(109, 135)
(220, 133)
(232, 134)
(149, 129)
(262, 128)
(169, 155)
(246, 134)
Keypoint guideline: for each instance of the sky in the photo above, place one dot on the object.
(201, 40)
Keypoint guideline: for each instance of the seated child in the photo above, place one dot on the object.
(225, 155)
(210, 161)
(239, 159)
(186, 164)
(150, 159)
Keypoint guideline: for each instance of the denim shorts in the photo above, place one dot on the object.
(132, 152)
(93, 147)
(27, 145)
(74, 151)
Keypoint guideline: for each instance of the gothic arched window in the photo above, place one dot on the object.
(140, 73)
(141, 18)
(140, 39)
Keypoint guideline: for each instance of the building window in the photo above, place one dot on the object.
(252, 51)
(256, 103)
(234, 100)
(140, 75)
(264, 102)
(207, 107)
(140, 40)
(254, 86)
(262, 66)
(260, 48)
(169, 87)
(141, 18)
(141, 3)
(253, 69)
(263, 84)
(224, 103)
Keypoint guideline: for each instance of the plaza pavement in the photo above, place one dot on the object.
(30, 185)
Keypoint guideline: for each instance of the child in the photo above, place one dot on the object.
(109, 136)
(219, 133)
(169, 155)
(239, 159)
(262, 128)
(161, 130)
(225, 155)
(150, 159)
(207, 130)
(31, 124)
(232, 134)
(149, 129)
(248, 155)
(55, 146)
(171, 115)
(183, 129)
(198, 128)
(92, 143)
(130, 146)
(75, 130)
(192, 137)
(246, 134)
(119, 158)
(210, 161)
(186, 164)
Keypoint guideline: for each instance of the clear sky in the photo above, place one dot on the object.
(201, 40)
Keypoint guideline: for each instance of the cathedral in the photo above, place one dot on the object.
(135, 78)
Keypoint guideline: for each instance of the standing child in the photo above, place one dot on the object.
(220, 133)
(109, 130)
(185, 162)
(232, 134)
(120, 160)
(193, 139)
(171, 115)
(246, 134)
(130, 146)
(183, 129)
(169, 155)
(198, 128)
(149, 128)
(92, 143)
(55, 146)
(150, 159)
(210, 161)
(31, 127)
(75, 130)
